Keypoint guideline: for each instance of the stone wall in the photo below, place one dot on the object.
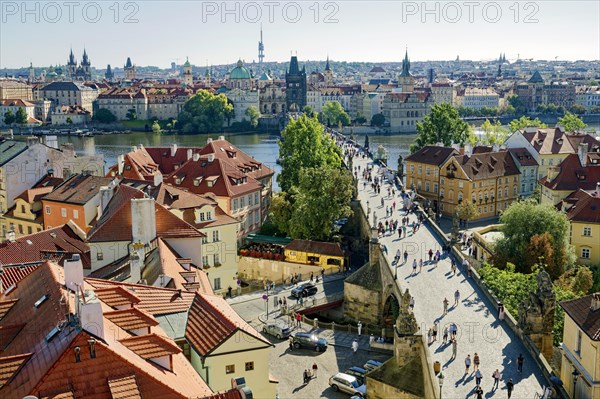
(362, 304)
(255, 269)
(380, 390)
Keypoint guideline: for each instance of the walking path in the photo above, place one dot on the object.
(479, 329)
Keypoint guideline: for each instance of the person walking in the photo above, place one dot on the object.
(411, 303)
(405, 255)
(478, 377)
(291, 343)
(445, 306)
(453, 267)
(520, 361)
(454, 348)
(510, 385)
(420, 265)
(476, 361)
(445, 336)
(456, 297)
(359, 326)
(467, 364)
(314, 369)
(496, 377)
(478, 393)
(298, 320)
(306, 376)
(415, 266)
(430, 254)
(436, 327)
(354, 347)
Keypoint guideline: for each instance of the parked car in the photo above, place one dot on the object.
(348, 384)
(310, 341)
(371, 365)
(278, 330)
(304, 290)
(357, 372)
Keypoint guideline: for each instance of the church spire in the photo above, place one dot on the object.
(327, 68)
(406, 65)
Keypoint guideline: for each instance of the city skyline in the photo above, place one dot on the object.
(214, 37)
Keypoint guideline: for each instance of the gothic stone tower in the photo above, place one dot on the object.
(188, 77)
(86, 66)
(295, 83)
(406, 81)
(71, 66)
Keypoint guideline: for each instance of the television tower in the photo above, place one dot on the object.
(261, 50)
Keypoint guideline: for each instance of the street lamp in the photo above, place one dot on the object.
(266, 298)
(575, 375)
(441, 381)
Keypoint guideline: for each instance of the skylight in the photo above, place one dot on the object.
(41, 301)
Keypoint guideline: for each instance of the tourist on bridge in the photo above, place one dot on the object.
(453, 267)
(314, 369)
(445, 335)
(476, 362)
(354, 347)
(397, 257)
(445, 306)
(496, 377)
(456, 297)
(436, 327)
(510, 385)
(430, 255)
(478, 378)
(414, 266)
(454, 348)
(405, 255)
(478, 393)
(467, 364)
(420, 265)
(520, 361)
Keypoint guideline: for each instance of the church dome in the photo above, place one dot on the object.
(240, 72)
(187, 63)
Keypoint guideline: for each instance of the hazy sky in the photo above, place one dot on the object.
(159, 32)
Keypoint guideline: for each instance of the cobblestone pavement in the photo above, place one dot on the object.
(479, 330)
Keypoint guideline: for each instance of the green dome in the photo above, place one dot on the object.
(239, 72)
(187, 63)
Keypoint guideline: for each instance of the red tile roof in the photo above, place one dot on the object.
(549, 140)
(211, 322)
(79, 189)
(153, 300)
(572, 176)
(582, 206)
(170, 196)
(6, 306)
(57, 244)
(523, 156)
(131, 319)
(13, 274)
(587, 319)
(117, 295)
(432, 155)
(488, 165)
(151, 346)
(124, 388)
(11, 365)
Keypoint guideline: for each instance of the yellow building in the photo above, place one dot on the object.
(490, 180)
(580, 369)
(325, 254)
(583, 211)
(225, 347)
(423, 170)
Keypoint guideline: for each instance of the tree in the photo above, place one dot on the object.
(304, 144)
(156, 128)
(253, 114)
(579, 279)
(466, 211)
(540, 251)
(493, 133)
(21, 116)
(377, 120)
(525, 219)
(69, 120)
(131, 114)
(517, 104)
(333, 114)
(525, 122)
(309, 111)
(578, 109)
(361, 120)
(9, 117)
(571, 123)
(104, 115)
(280, 211)
(441, 125)
(204, 112)
(323, 197)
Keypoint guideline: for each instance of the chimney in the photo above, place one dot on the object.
(552, 173)
(106, 194)
(190, 153)
(135, 264)
(211, 157)
(52, 141)
(158, 179)
(73, 272)
(11, 236)
(32, 140)
(221, 137)
(208, 141)
(496, 147)
(133, 148)
(90, 315)
(121, 163)
(456, 146)
(468, 150)
(196, 157)
(582, 152)
(173, 149)
(143, 220)
(595, 301)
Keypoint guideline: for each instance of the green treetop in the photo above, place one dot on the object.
(333, 114)
(571, 122)
(204, 112)
(525, 122)
(441, 125)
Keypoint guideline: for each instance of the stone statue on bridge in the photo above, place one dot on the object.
(400, 167)
(406, 323)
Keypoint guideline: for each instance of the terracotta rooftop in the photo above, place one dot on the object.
(151, 346)
(549, 140)
(153, 300)
(231, 154)
(6, 306)
(488, 165)
(582, 314)
(56, 244)
(14, 273)
(117, 295)
(131, 319)
(124, 388)
(317, 247)
(79, 189)
(432, 155)
(211, 322)
(582, 206)
(11, 365)
(572, 176)
(523, 156)
(170, 196)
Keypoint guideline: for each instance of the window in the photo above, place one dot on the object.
(22, 208)
(63, 212)
(435, 188)
(204, 240)
(235, 204)
(75, 214)
(215, 235)
(256, 198)
(313, 258)
(99, 255)
(420, 169)
(506, 192)
(29, 230)
(427, 170)
(460, 184)
(412, 168)
(250, 200)
(427, 186)
(230, 369)
(419, 185)
(442, 181)
(216, 260)
(578, 343)
(499, 193)
(249, 366)
(242, 202)
(587, 231)
(205, 261)
(585, 253)
(217, 283)
(47, 210)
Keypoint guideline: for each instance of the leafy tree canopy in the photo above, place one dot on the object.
(304, 144)
(253, 115)
(104, 115)
(333, 114)
(204, 112)
(21, 116)
(378, 120)
(571, 122)
(524, 122)
(156, 128)
(493, 133)
(9, 117)
(441, 125)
